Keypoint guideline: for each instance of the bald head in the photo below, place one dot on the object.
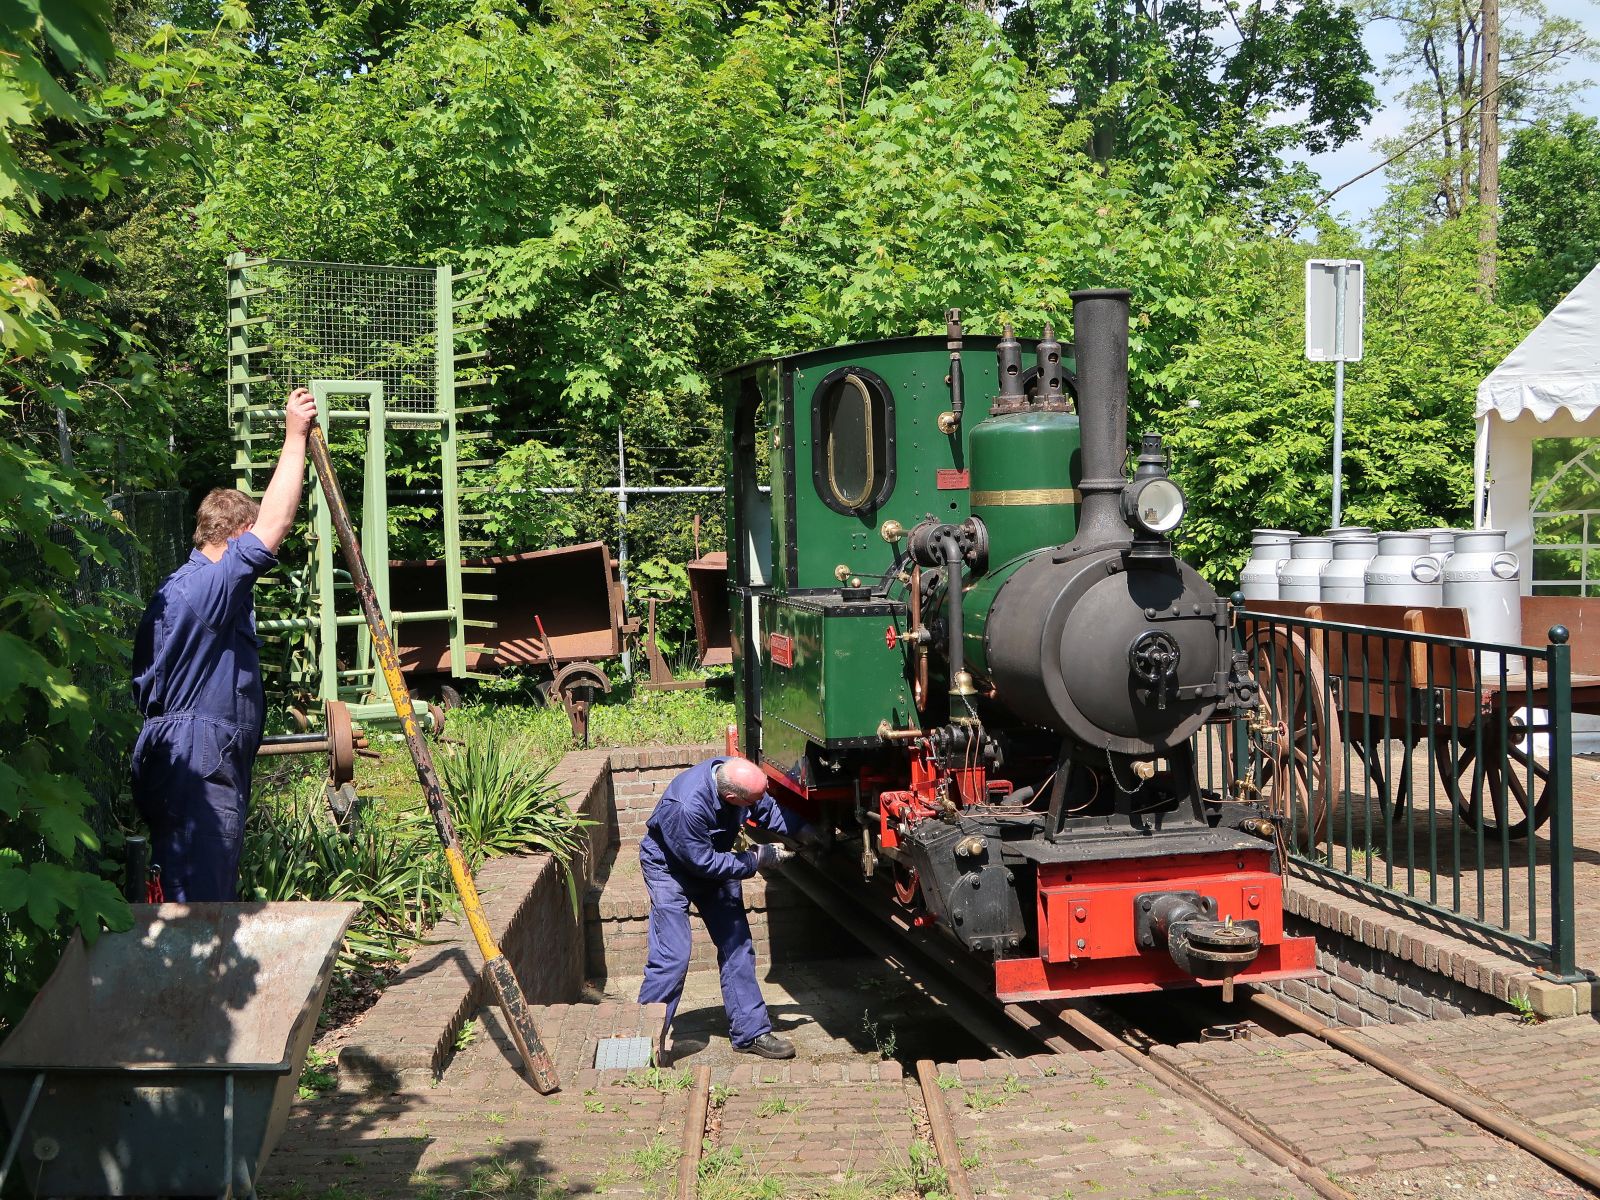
(741, 782)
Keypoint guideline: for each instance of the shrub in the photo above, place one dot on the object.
(502, 803)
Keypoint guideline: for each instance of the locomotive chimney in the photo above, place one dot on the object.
(1100, 335)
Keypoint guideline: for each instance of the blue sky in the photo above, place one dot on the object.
(1383, 39)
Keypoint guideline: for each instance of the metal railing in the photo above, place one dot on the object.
(1415, 764)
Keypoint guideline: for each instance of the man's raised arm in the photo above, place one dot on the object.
(281, 500)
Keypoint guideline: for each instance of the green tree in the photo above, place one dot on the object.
(1440, 64)
(90, 129)
(1231, 70)
(1251, 429)
(1551, 192)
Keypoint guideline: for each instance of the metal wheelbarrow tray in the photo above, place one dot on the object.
(162, 1061)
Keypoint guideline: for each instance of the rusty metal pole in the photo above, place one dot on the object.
(541, 1069)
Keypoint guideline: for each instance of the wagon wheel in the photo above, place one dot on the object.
(1296, 756)
(576, 684)
(1502, 774)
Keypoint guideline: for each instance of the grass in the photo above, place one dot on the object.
(659, 1156)
(778, 1105)
(920, 1174)
(730, 1173)
(659, 1079)
(317, 1075)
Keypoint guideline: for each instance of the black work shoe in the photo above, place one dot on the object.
(768, 1045)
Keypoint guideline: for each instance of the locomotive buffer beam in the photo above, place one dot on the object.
(1186, 924)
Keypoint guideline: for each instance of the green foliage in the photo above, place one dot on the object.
(667, 583)
(516, 516)
(1113, 59)
(317, 1074)
(1256, 448)
(502, 803)
(920, 1174)
(1550, 190)
(391, 867)
(85, 124)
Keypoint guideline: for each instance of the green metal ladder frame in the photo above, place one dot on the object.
(313, 665)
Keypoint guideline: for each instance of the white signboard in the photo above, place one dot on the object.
(1323, 340)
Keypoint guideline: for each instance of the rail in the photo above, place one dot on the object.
(1411, 762)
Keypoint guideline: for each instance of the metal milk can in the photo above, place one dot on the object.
(1301, 576)
(1483, 577)
(1344, 580)
(1441, 542)
(1403, 572)
(1269, 550)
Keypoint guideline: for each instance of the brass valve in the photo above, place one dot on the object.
(842, 572)
(948, 423)
(888, 733)
(891, 531)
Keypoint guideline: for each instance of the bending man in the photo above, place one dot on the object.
(197, 679)
(687, 856)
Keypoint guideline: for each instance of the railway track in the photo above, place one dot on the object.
(1015, 1030)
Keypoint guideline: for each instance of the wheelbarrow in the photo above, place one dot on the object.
(162, 1061)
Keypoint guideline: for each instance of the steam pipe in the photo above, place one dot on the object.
(1100, 334)
(960, 681)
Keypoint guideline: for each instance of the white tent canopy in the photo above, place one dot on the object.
(1548, 387)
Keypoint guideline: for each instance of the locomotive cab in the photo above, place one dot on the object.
(964, 642)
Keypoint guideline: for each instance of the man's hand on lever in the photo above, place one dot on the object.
(770, 857)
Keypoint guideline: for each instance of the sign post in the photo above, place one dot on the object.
(1335, 307)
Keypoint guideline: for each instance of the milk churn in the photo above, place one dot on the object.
(1269, 550)
(1482, 577)
(1344, 580)
(1441, 542)
(1301, 576)
(1403, 572)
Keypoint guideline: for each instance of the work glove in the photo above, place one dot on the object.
(770, 856)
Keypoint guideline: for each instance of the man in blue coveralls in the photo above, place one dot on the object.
(197, 679)
(688, 858)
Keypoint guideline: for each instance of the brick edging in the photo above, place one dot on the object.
(409, 1035)
(1436, 947)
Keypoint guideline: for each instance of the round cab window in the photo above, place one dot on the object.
(853, 440)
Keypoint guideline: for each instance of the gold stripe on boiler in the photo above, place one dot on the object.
(1015, 496)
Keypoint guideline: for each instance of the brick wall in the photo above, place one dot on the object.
(408, 1036)
(1468, 970)
(1360, 985)
(784, 924)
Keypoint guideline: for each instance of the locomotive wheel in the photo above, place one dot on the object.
(1296, 753)
(1501, 778)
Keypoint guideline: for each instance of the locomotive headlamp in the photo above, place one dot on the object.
(1155, 505)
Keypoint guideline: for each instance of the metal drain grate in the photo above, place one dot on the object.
(621, 1053)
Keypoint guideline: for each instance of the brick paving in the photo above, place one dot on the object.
(1047, 1126)
(842, 1116)
(1095, 1125)
(1546, 1074)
